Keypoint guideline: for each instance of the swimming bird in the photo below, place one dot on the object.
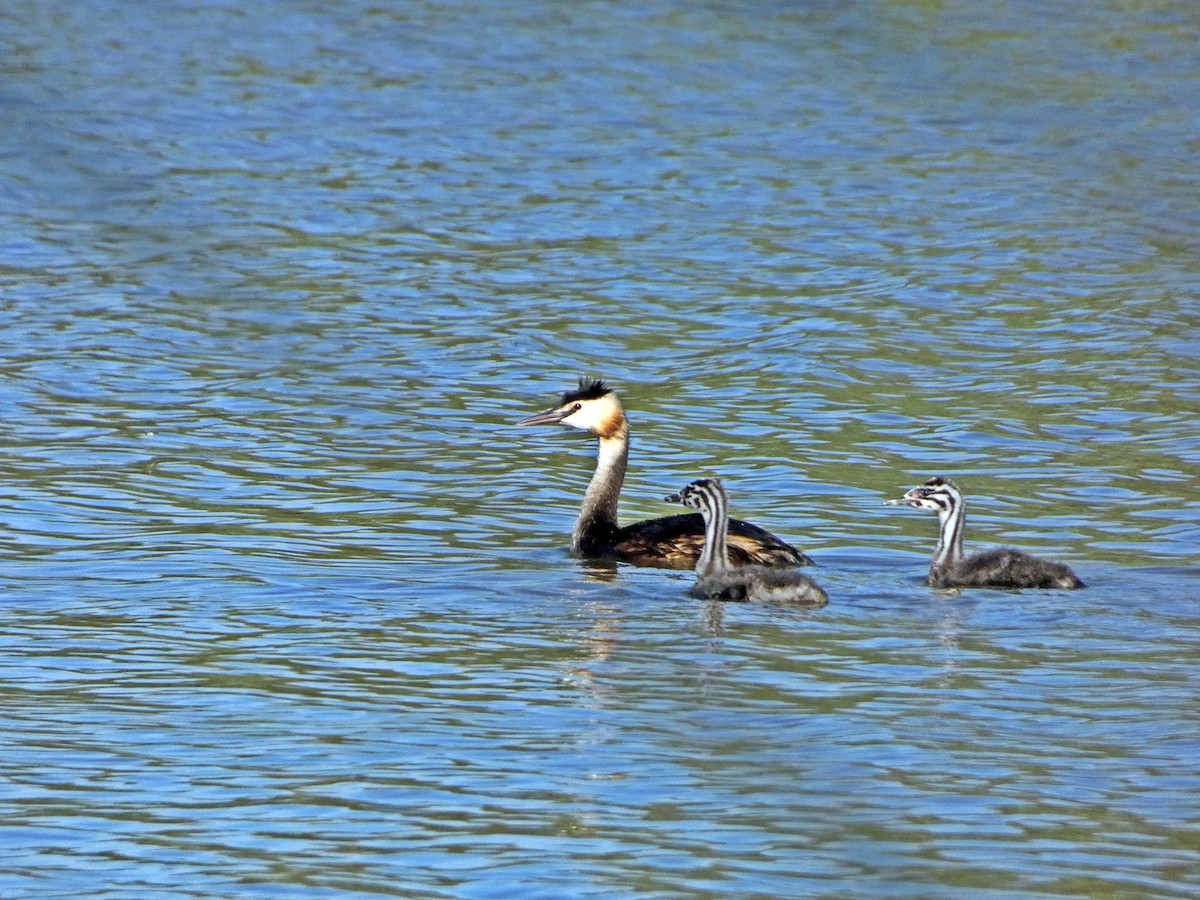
(716, 579)
(672, 542)
(1001, 568)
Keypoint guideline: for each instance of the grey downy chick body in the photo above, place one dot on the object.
(716, 579)
(1002, 567)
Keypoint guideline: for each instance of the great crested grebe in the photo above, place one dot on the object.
(716, 579)
(1001, 568)
(672, 542)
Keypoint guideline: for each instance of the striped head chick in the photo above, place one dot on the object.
(939, 495)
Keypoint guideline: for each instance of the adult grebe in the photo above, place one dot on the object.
(716, 579)
(1002, 567)
(672, 542)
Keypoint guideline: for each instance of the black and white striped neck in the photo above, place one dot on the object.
(952, 516)
(713, 503)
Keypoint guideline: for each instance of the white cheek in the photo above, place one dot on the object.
(578, 420)
(590, 418)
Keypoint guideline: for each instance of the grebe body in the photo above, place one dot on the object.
(716, 579)
(999, 568)
(673, 542)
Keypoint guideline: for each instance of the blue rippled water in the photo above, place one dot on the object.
(288, 608)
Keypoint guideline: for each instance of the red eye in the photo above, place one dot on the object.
(578, 407)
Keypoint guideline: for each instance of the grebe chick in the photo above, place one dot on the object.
(672, 542)
(716, 579)
(1000, 568)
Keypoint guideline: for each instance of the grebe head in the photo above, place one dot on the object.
(939, 495)
(592, 406)
(696, 493)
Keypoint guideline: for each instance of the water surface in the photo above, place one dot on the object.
(288, 607)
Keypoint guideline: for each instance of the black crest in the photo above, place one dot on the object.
(589, 389)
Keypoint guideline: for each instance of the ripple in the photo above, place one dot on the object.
(288, 607)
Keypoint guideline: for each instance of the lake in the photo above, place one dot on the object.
(288, 606)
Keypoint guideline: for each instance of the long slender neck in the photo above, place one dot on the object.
(949, 550)
(598, 516)
(714, 558)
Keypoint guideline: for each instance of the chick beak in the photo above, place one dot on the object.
(912, 498)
